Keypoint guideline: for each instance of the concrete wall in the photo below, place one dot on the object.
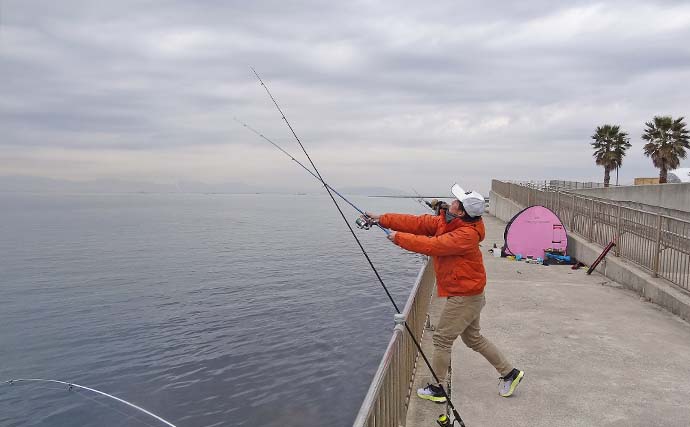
(617, 269)
(502, 208)
(669, 196)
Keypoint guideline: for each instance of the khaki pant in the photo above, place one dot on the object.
(460, 317)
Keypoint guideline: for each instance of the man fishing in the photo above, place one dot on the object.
(452, 239)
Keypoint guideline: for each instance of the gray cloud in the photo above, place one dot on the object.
(402, 93)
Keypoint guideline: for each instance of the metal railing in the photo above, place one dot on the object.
(576, 185)
(554, 184)
(655, 242)
(387, 400)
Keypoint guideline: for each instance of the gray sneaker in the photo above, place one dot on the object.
(432, 392)
(508, 384)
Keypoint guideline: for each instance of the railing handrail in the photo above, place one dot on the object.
(415, 289)
(621, 203)
(382, 394)
(375, 388)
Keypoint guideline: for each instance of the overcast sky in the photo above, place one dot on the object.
(386, 93)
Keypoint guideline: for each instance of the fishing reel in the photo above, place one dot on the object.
(365, 223)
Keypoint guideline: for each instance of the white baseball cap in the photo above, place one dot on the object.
(472, 202)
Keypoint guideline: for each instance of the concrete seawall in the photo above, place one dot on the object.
(673, 197)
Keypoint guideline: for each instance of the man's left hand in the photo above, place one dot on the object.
(391, 236)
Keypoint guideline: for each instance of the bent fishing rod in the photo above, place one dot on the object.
(364, 252)
(361, 225)
(93, 390)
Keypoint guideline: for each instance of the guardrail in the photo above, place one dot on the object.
(554, 184)
(658, 243)
(387, 400)
(576, 185)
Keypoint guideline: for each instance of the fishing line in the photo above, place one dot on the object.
(371, 264)
(129, 416)
(306, 169)
(73, 385)
(422, 201)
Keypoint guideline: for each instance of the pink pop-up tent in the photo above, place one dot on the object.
(532, 231)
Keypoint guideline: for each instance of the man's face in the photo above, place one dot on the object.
(455, 208)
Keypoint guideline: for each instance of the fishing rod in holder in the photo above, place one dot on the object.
(363, 221)
(317, 175)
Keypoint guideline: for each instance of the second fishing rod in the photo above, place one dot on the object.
(361, 221)
(364, 252)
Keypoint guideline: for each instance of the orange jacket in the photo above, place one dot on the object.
(454, 247)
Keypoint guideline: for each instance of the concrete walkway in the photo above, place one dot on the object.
(594, 354)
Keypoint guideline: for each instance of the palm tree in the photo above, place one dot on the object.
(609, 148)
(668, 140)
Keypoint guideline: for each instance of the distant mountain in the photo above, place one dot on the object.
(226, 187)
(47, 185)
(372, 191)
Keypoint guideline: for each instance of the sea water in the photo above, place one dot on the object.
(205, 309)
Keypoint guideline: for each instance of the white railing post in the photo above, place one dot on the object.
(657, 254)
(617, 248)
(572, 217)
(558, 202)
(399, 319)
(591, 220)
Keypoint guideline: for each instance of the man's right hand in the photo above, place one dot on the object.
(372, 215)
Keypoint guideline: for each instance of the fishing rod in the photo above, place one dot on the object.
(363, 225)
(422, 201)
(73, 385)
(419, 198)
(364, 252)
(435, 205)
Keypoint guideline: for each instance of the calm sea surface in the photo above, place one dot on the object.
(207, 310)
